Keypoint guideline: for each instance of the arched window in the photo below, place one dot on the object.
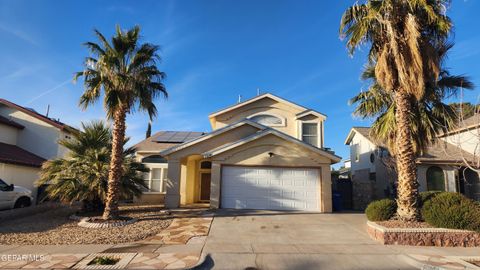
(268, 120)
(154, 159)
(435, 178)
(206, 165)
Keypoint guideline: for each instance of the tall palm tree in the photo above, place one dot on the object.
(83, 174)
(125, 72)
(402, 35)
(430, 114)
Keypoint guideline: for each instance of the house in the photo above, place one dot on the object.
(263, 153)
(27, 139)
(440, 167)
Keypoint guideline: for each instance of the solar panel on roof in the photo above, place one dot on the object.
(177, 136)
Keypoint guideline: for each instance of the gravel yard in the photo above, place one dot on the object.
(401, 224)
(55, 228)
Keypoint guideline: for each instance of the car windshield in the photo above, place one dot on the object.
(3, 184)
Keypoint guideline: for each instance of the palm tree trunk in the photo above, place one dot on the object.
(116, 162)
(407, 200)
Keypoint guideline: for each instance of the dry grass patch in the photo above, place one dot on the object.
(55, 228)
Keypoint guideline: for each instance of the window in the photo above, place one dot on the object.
(435, 179)
(3, 185)
(155, 180)
(268, 120)
(206, 165)
(372, 176)
(310, 133)
(154, 159)
(372, 157)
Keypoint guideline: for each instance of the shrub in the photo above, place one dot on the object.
(427, 195)
(381, 210)
(452, 210)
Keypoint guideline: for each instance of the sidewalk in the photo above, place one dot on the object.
(177, 247)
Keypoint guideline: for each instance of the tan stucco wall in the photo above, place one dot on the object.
(268, 106)
(8, 134)
(20, 176)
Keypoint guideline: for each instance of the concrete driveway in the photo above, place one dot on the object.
(288, 240)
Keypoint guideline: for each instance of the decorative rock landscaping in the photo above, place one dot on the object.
(423, 236)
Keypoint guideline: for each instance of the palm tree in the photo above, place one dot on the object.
(402, 35)
(83, 174)
(126, 73)
(430, 114)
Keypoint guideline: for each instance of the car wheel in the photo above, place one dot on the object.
(22, 202)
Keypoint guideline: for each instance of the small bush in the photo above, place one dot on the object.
(427, 195)
(452, 210)
(381, 210)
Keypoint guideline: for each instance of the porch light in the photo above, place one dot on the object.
(270, 154)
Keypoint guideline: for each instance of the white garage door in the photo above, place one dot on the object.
(270, 188)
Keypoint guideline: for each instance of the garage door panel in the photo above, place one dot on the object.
(270, 188)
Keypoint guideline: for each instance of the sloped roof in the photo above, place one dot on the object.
(13, 154)
(267, 131)
(444, 152)
(365, 132)
(440, 152)
(467, 124)
(266, 95)
(8, 122)
(165, 139)
(51, 121)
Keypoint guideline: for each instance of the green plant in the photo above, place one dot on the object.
(427, 195)
(123, 72)
(83, 174)
(103, 261)
(452, 210)
(381, 210)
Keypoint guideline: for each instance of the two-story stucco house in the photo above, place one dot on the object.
(440, 167)
(263, 153)
(27, 139)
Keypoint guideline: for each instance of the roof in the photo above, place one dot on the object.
(212, 134)
(266, 95)
(165, 139)
(13, 154)
(33, 113)
(364, 131)
(8, 122)
(445, 153)
(440, 152)
(467, 124)
(267, 131)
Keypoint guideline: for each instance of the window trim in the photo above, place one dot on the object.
(282, 124)
(151, 166)
(319, 132)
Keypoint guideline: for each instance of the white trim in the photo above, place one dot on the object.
(162, 167)
(266, 95)
(283, 119)
(319, 131)
(312, 112)
(184, 145)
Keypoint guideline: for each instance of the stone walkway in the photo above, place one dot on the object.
(178, 246)
(438, 262)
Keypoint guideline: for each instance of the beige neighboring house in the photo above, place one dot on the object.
(263, 153)
(27, 139)
(440, 167)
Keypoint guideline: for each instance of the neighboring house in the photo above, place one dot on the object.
(438, 168)
(27, 139)
(263, 153)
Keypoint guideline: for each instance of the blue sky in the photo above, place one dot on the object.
(212, 52)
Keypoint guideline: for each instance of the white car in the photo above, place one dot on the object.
(14, 196)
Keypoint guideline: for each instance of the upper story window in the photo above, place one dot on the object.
(310, 133)
(268, 120)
